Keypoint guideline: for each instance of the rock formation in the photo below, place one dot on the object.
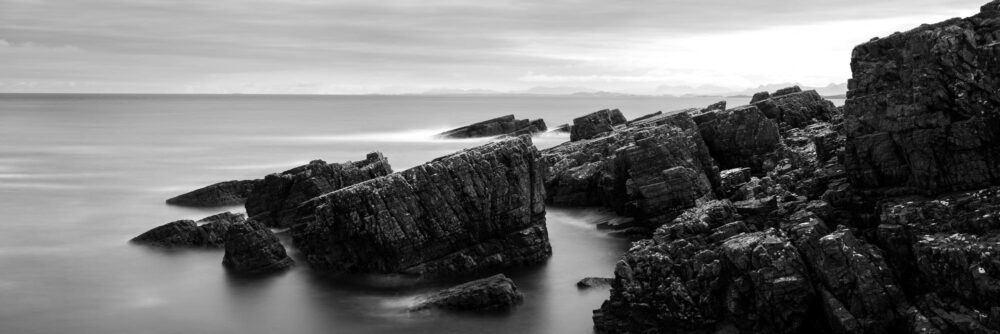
(596, 123)
(252, 249)
(494, 293)
(923, 107)
(740, 137)
(219, 194)
(594, 282)
(275, 198)
(796, 108)
(207, 232)
(475, 210)
(506, 125)
(650, 170)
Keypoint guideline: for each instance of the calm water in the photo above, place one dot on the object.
(82, 174)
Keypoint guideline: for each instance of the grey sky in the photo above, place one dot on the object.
(304, 46)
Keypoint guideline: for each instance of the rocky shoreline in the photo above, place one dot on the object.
(785, 215)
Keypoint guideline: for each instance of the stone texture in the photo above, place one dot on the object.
(740, 137)
(650, 170)
(206, 232)
(475, 210)
(732, 180)
(923, 107)
(220, 194)
(796, 108)
(596, 123)
(275, 198)
(594, 282)
(494, 293)
(252, 249)
(505, 125)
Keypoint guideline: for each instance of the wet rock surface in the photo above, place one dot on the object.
(475, 210)
(504, 125)
(274, 199)
(207, 232)
(252, 249)
(220, 194)
(494, 293)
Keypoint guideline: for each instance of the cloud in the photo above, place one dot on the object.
(165, 45)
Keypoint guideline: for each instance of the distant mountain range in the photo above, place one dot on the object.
(831, 90)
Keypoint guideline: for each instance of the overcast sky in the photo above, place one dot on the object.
(371, 46)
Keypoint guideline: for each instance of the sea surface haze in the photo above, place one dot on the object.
(80, 175)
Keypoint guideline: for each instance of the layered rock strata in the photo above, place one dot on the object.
(207, 232)
(505, 125)
(252, 249)
(494, 293)
(596, 123)
(220, 194)
(475, 210)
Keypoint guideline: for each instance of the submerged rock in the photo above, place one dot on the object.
(596, 123)
(594, 282)
(494, 293)
(252, 249)
(207, 232)
(927, 122)
(505, 125)
(475, 210)
(275, 198)
(219, 194)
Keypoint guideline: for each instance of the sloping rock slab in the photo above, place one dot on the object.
(207, 232)
(252, 249)
(494, 293)
(505, 125)
(220, 194)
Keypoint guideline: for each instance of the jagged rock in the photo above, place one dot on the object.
(645, 117)
(206, 232)
(796, 108)
(930, 121)
(740, 137)
(594, 282)
(505, 125)
(220, 194)
(732, 179)
(760, 96)
(252, 249)
(475, 210)
(275, 198)
(651, 170)
(721, 105)
(596, 123)
(494, 293)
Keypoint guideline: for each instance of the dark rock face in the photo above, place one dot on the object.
(207, 232)
(219, 194)
(252, 249)
(475, 210)
(596, 123)
(275, 198)
(494, 293)
(506, 125)
(650, 170)
(740, 137)
(927, 122)
(594, 282)
(796, 108)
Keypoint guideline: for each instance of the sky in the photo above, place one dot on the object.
(397, 47)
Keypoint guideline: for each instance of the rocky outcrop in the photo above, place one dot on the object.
(563, 128)
(651, 170)
(252, 249)
(795, 108)
(505, 125)
(206, 232)
(740, 137)
(596, 123)
(475, 210)
(927, 122)
(494, 293)
(219, 194)
(275, 198)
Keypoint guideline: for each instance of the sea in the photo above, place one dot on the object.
(82, 174)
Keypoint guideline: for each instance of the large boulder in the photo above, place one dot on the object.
(207, 232)
(275, 198)
(796, 108)
(478, 209)
(923, 111)
(596, 123)
(220, 194)
(252, 249)
(505, 125)
(494, 293)
(651, 170)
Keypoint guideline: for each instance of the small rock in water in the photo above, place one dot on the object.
(494, 293)
(594, 282)
(252, 249)
(220, 194)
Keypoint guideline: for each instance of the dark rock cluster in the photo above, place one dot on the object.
(475, 210)
(840, 224)
(494, 293)
(505, 125)
(206, 232)
(596, 123)
(252, 249)
(220, 194)
(275, 198)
